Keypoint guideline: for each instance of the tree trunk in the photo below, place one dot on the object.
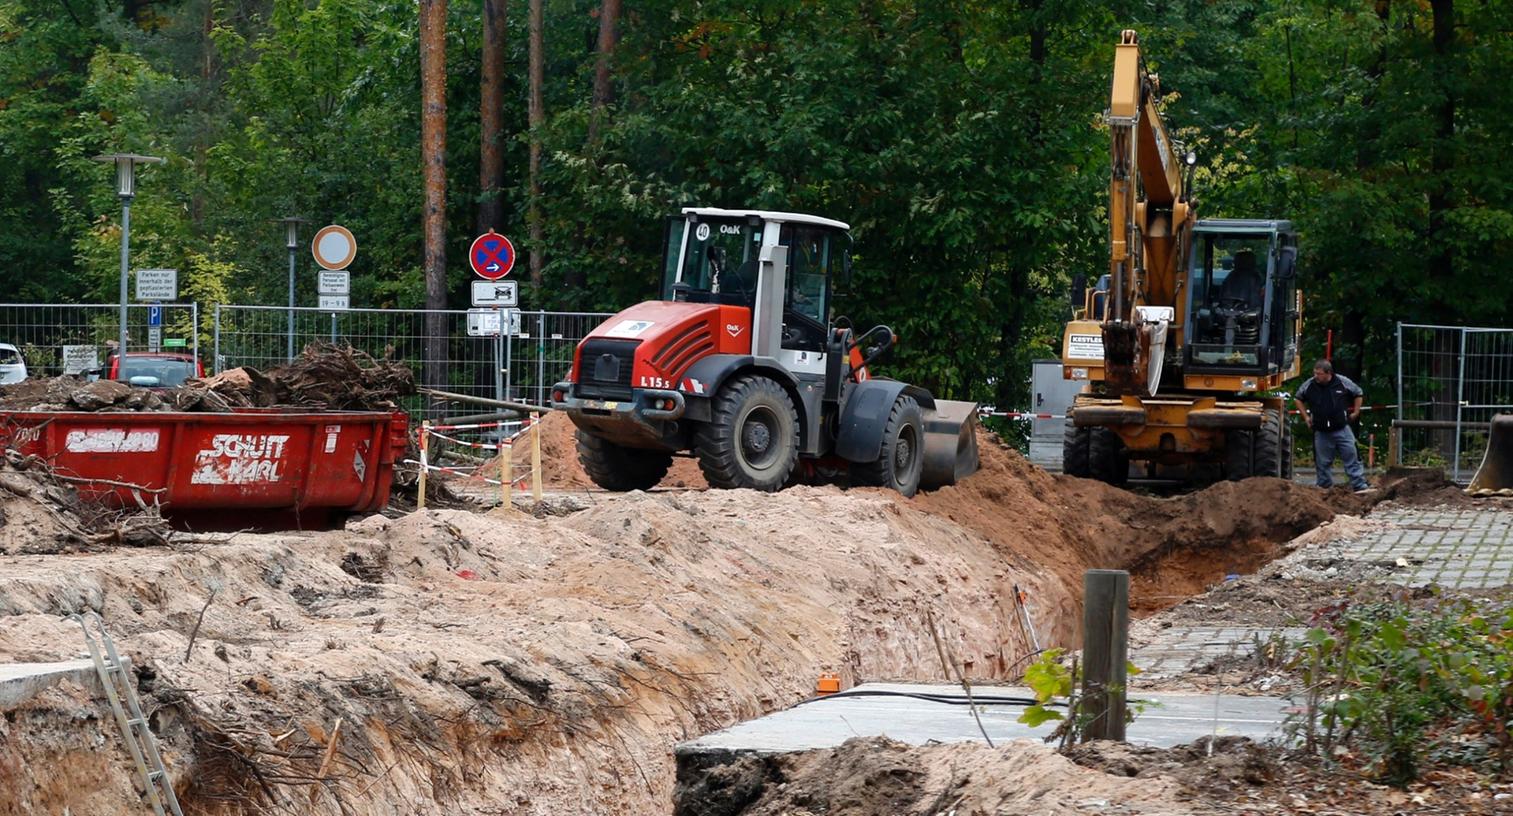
(1442, 153)
(491, 119)
(609, 22)
(433, 148)
(536, 117)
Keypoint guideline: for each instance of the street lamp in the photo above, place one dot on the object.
(291, 239)
(126, 188)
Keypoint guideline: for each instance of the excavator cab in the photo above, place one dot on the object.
(1242, 298)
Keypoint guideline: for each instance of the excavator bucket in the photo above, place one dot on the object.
(1495, 476)
(950, 443)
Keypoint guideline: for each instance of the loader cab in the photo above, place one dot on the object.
(1242, 310)
(713, 255)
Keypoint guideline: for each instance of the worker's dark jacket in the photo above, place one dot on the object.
(1329, 404)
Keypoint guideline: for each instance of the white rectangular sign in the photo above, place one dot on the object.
(157, 284)
(154, 338)
(333, 283)
(491, 322)
(335, 302)
(1084, 347)
(79, 359)
(496, 293)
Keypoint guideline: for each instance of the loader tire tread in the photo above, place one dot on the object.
(618, 468)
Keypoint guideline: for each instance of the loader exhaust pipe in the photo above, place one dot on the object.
(1495, 476)
(950, 453)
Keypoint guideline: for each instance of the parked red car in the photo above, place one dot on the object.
(156, 369)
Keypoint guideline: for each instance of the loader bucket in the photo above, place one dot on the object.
(950, 443)
(1495, 476)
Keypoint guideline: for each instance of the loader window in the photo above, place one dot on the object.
(805, 304)
(721, 261)
(1228, 276)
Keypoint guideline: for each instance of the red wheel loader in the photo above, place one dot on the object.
(741, 364)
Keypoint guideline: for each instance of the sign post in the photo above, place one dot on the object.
(334, 248)
(492, 256)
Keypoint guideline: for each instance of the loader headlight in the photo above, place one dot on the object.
(1079, 373)
(1248, 383)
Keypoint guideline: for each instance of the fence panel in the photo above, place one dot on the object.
(50, 335)
(1458, 375)
(521, 367)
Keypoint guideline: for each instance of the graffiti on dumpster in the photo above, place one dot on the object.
(241, 459)
(111, 440)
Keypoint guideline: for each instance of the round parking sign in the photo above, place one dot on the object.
(492, 256)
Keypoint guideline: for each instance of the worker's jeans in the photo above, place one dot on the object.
(1327, 445)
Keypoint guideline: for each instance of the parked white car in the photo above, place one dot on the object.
(12, 367)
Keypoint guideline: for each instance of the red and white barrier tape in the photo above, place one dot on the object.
(1020, 415)
(493, 446)
(460, 472)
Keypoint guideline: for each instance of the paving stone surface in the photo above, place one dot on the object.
(1454, 548)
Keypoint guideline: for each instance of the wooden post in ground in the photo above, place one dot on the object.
(536, 457)
(425, 465)
(1105, 650)
(507, 472)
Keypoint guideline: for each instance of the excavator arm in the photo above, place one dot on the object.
(1150, 221)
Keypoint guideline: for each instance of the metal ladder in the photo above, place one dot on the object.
(134, 729)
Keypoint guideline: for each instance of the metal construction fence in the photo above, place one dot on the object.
(519, 366)
(1451, 381)
(74, 338)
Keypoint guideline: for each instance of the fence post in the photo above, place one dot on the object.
(536, 457)
(1400, 370)
(541, 358)
(509, 348)
(425, 439)
(215, 350)
(1105, 648)
(1460, 400)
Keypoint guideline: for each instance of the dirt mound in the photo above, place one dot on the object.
(559, 460)
(1068, 525)
(880, 777)
(323, 376)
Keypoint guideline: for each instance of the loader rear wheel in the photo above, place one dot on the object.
(1266, 455)
(752, 437)
(1074, 450)
(901, 460)
(1238, 451)
(1106, 457)
(618, 468)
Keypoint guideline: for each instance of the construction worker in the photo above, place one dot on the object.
(1330, 402)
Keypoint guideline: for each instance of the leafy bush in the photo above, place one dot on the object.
(1402, 685)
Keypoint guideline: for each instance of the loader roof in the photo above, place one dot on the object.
(767, 215)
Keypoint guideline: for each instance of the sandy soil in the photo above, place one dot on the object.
(492, 663)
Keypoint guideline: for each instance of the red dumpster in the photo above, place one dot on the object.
(255, 467)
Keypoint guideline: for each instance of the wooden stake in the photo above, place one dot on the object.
(425, 441)
(536, 457)
(325, 764)
(1105, 651)
(507, 474)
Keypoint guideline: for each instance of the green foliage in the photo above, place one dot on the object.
(1401, 684)
(962, 142)
(1049, 678)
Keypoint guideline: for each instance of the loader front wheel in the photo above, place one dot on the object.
(1107, 458)
(752, 437)
(1238, 452)
(1266, 457)
(901, 460)
(618, 468)
(1074, 450)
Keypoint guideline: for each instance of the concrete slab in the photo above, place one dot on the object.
(20, 682)
(1169, 718)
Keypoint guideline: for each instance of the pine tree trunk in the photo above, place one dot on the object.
(536, 117)
(1442, 152)
(433, 147)
(491, 119)
(609, 22)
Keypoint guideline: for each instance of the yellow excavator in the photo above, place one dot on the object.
(1185, 340)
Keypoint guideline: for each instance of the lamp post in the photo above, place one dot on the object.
(291, 239)
(126, 188)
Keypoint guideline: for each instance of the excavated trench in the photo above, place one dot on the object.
(500, 663)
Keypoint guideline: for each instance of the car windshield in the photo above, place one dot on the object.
(169, 371)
